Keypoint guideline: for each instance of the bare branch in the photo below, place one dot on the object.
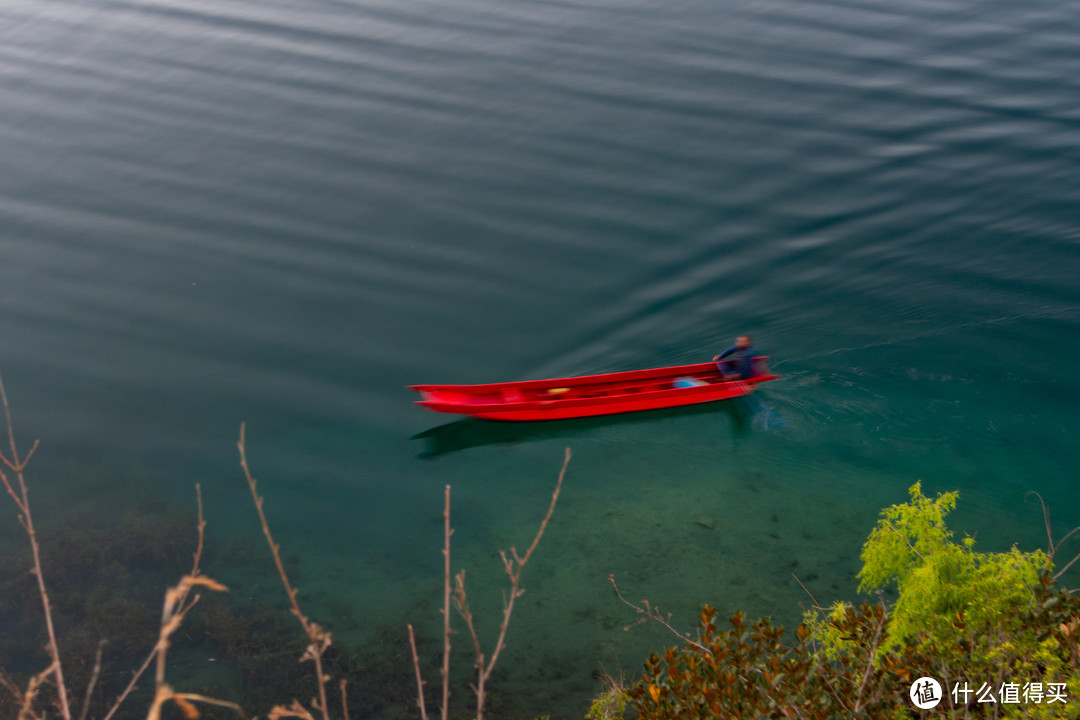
(653, 613)
(25, 698)
(513, 570)
(873, 651)
(1062, 571)
(131, 685)
(201, 529)
(461, 603)
(816, 603)
(18, 501)
(419, 679)
(320, 639)
(1052, 547)
(1046, 521)
(447, 532)
(27, 521)
(513, 565)
(93, 680)
(178, 601)
(344, 698)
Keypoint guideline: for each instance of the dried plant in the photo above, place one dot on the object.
(178, 601)
(445, 670)
(182, 597)
(319, 638)
(22, 501)
(651, 613)
(1052, 547)
(513, 563)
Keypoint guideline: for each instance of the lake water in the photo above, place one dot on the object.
(285, 212)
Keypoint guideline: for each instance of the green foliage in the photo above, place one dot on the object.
(961, 616)
(609, 704)
(905, 534)
(947, 590)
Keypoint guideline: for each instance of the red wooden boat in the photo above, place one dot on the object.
(590, 395)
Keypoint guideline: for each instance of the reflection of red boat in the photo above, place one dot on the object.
(590, 395)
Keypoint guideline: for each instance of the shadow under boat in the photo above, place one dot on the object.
(474, 432)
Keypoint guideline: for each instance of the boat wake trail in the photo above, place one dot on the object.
(761, 414)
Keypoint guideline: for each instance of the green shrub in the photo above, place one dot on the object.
(961, 616)
(610, 704)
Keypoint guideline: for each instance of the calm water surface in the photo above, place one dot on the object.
(284, 212)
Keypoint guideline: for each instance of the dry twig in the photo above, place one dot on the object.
(178, 601)
(1051, 547)
(131, 685)
(817, 605)
(447, 532)
(873, 651)
(513, 565)
(419, 678)
(93, 680)
(652, 613)
(320, 639)
(177, 605)
(25, 698)
(22, 501)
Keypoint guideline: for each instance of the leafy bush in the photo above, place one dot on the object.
(611, 703)
(965, 617)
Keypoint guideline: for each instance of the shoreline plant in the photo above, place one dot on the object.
(995, 624)
(985, 624)
(47, 693)
(179, 600)
(513, 564)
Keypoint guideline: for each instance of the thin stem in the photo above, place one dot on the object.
(201, 529)
(28, 525)
(131, 685)
(178, 602)
(462, 604)
(873, 651)
(653, 613)
(1062, 571)
(447, 532)
(513, 565)
(93, 680)
(1046, 522)
(320, 640)
(419, 679)
(816, 603)
(344, 698)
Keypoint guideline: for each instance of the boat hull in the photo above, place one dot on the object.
(590, 395)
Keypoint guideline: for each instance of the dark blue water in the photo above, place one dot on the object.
(283, 213)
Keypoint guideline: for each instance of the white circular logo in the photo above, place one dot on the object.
(925, 693)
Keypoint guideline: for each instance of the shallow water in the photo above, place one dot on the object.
(283, 213)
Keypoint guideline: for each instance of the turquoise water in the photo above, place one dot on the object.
(283, 213)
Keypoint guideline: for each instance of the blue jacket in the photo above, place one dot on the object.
(742, 362)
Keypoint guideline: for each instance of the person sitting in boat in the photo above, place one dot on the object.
(737, 362)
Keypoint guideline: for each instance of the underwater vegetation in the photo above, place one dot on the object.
(102, 600)
(997, 624)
